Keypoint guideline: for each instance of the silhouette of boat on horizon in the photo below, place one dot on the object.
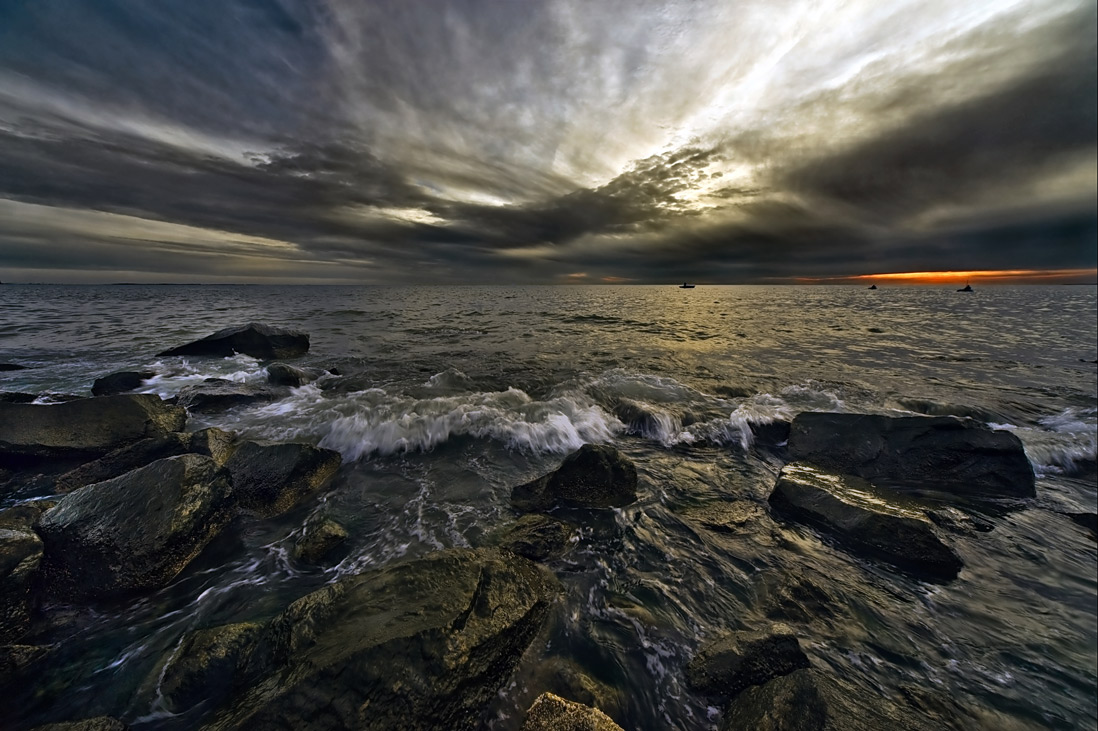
(966, 288)
(873, 286)
(684, 285)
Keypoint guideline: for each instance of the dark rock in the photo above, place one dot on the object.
(808, 700)
(99, 723)
(424, 644)
(269, 480)
(255, 339)
(563, 677)
(216, 394)
(792, 596)
(281, 374)
(734, 391)
(11, 367)
(771, 433)
(136, 531)
(211, 442)
(318, 540)
(726, 667)
(19, 664)
(20, 556)
(16, 397)
(956, 521)
(86, 428)
(727, 516)
(538, 537)
(1087, 520)
(120, 382)
(552, 713)
(203, 666)
(864, 520)
(594, 476)
(915, 453)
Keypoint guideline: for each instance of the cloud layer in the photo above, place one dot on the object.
(555, 140)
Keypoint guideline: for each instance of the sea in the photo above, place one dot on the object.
(447, 397)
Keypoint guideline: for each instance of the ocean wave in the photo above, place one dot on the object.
(1063, 443)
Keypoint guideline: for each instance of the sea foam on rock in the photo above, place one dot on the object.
(918, 453)
(136, 531)
(86, 428)
(594, 476)
(264, 342)
(421, 645)
(864, 520)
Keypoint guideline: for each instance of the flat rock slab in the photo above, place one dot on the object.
(594, 476)
(943, 454)
(136, 531)
(726, 667)
(553, 713)
(87, 427)
(217, 394)
(264, 342)
(422, 645)
(809, 700)
(865, 520)
(270, 479)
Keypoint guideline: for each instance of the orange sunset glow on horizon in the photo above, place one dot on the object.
(985, 276)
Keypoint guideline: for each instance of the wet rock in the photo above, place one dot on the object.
(211, 442)
(563, 677)
(538, 537)
(255, 339)
(915, 453)
(16, 397)
(202, 668)
(120, 382)
(136, 531)
(956, 521)
(935, 408)
(87, 428)
(727, 516)
(864, 520)
(11, 367)
(19, 664)
(725, 667)
(790, 596)
(808, 700)
(594, 476)
(1087, 520)
(99, 723)
(217, 394)
(732, 391)
(552, 713)
(269, 479)
(20, 556)
(771, 433)
(282, 374)
(318, 540)
(423, 644)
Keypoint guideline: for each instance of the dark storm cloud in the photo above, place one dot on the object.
(500, 141)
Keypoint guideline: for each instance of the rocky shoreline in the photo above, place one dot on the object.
(116, 498)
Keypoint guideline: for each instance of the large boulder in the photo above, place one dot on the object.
(594, 476)
(269, 479)
(941, 453)
(865, 520)
(729, 665)
(421, 645)
(136, 531)
(120, 382)
(211, 442)
(809, 700)
(86, 428)
(218, 394)
(553, 713)
(283, 374)
(20, 556)
(202, 667)
(255, 339)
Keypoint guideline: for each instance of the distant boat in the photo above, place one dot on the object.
(873, 286)
(966, 288)
(684, 285)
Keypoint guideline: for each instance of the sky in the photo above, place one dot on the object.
(546, 141)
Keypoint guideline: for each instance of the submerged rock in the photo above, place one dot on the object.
(20, 556)
(11, 367)
(552, 713)
(318, 540)
(211, 442)
(99, 723)
(20, 665)
(565, 678)
(202, 668)
(725, 667)
(255, 339)
(1087, 520)
(808, 700)
(594, 476)
(84, 428)
(217, 394)
(865, 521)
(269, 479)
(915, 453)
(420, 645)
(136, 531)
(538, 537)
(17, 397)
(282, 374)
(120, 382)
